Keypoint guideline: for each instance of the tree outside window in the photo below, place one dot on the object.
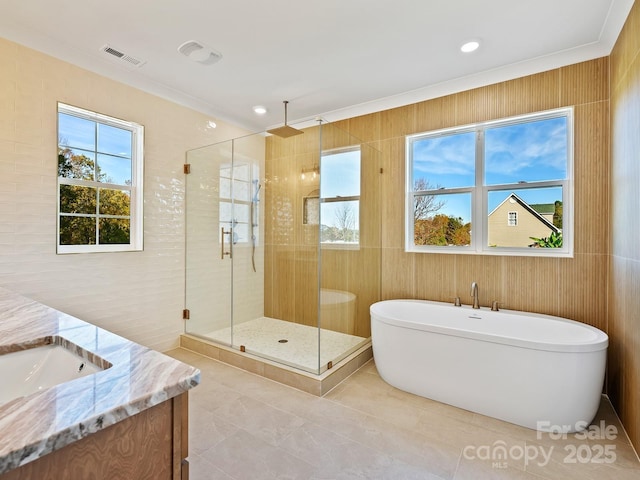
(462, 183)
(99, 182)
(340, 197)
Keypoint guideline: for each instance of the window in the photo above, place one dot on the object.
(99, 182)
(463, 182)
(340, 197)
(239, 198)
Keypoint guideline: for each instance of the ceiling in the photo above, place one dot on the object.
(330, 58)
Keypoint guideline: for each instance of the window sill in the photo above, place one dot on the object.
(71, 249)
(501, 252)
(339, 246)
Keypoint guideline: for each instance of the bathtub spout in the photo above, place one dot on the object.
(474, 294)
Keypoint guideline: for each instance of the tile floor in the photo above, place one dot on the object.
(262, 336)
(243, 426)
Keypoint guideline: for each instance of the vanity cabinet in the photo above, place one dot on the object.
(152, 444)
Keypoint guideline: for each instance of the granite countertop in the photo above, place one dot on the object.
(137, 378)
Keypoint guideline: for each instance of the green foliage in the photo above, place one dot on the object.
(442, 230)
(77, 230)
(114, 231)
(82, 201)
(433, 228)
(71, 165)
(557, 214)
(552, 241)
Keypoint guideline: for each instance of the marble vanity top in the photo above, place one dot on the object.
(135, 378)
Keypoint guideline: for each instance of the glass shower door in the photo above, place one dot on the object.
(245, 183)
(209, 243)
(281, 261)
(224, 241)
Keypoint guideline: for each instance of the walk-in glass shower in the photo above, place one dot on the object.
(283, 245)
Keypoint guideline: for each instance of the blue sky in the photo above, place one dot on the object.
(523, 152)
(113, 145)
(339, 176)
(533, 151)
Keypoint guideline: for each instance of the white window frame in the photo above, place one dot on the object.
(351, 198)
(232, 201)
(135, 189)
(512, 219)
(480, 192)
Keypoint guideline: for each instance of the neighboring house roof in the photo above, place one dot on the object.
(544, 208)
(531, 210)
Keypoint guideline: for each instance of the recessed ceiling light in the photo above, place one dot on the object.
(259, 110)
(470, 47)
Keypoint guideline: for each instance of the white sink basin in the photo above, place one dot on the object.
(28, 371)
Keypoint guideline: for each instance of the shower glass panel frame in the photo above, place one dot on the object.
(224, 237)
(350, 272)
(273, 289)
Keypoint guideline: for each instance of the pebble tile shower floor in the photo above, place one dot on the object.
(263, 336)
(243, 426)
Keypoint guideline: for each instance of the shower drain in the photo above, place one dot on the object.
(284, 340)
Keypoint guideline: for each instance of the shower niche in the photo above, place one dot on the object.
(283, 247)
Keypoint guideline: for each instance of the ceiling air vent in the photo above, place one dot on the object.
(123, 57)
(198, 52)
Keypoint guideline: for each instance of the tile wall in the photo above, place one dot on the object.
(291, 249)
(624, 304)
(139, 295)
(568, 287)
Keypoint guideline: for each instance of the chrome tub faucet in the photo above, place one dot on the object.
(474, 294)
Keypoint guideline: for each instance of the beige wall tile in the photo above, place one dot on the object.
(479, 104)
(534, 93)
(623, 381)
(139, 295)
(294, 287)
(434, 279)
(486, 271)
(397, 274)
(365, 128)
(591, 177)
(392, 193)
(396, 122)
(585, 82)
(434, 114)
(626, 49)
(532, 284)
(583, 289)
(371, 197)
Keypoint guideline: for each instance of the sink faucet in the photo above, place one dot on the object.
(474, 294)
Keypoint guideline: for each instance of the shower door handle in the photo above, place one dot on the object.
(230, 252)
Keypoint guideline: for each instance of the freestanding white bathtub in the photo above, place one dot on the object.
(533, 370)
